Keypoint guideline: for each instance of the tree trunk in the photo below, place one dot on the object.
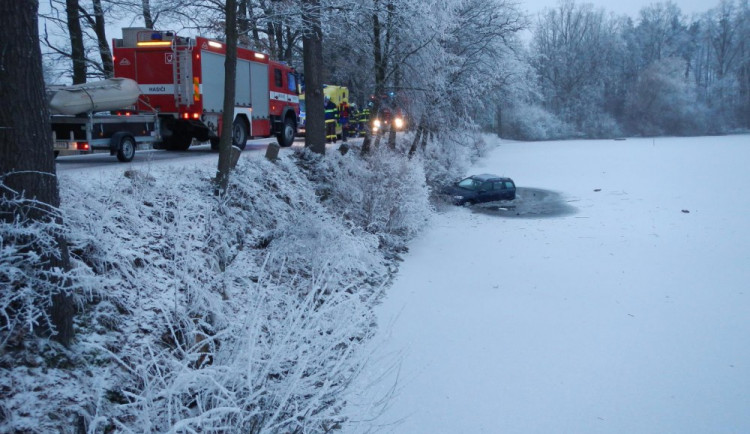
(499, 121)
(417, 136)
(104, 51)
(148, 21)
(230, 73)
(279, 40)
(26, 160)
(379, 75)
(253, 21)
(397, 87)
(291, 39)
(312, 51)
(243, 24)
(78, 52)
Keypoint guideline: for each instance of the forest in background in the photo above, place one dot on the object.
(583, 72)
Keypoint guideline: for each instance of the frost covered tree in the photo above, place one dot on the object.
(721, 63)
(28, 184)
(572, 46)
(663, 101)
(661, 33)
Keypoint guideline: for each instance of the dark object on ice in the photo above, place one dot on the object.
(481, 188)
(597, 189)
(530, 203)
(686, 211)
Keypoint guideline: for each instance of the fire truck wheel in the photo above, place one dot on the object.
(286, 136)
(126, 150)
(239, 134)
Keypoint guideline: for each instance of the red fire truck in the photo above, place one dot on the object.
(182, 79)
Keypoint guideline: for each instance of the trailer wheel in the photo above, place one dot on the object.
(286, 135)
(126, 149)
(239, 134)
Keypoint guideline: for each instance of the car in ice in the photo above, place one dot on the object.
(481, 188)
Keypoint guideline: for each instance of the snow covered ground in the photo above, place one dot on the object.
(630, 314)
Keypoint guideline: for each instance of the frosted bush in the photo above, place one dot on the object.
(531, 122)
(239, 314)
(28, 283)
(449, 155)
(384, 194)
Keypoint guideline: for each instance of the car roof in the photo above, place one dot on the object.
(487, 177)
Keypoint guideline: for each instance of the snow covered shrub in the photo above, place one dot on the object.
(448, 156)
(241, 314)
(663, 102)
(31, 367)
(600, 125)
(531, 122)
(27, 286)
(384, 194)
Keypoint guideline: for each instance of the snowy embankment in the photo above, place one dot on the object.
(629, 315)
(199, 314)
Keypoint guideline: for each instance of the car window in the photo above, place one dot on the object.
(468, 183)
(291, 82)
(509, 184)
(277, 78)
(498, 185)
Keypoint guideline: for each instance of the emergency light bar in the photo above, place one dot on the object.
(154, 43)
(214, 44)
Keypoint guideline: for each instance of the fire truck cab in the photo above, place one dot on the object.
(183, 80)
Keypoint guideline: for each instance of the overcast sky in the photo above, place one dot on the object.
(626, 7)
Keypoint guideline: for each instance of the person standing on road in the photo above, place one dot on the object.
(331, 115)
(344, 119)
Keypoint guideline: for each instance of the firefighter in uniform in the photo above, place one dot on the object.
(331, 115)
(344, 114)
(363, 119)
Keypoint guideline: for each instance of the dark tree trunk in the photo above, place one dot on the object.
(26, 160)
(279, 40)
(243, 24)
(417, 136)
(499, 121)
(426, 135)
(148, 20)
(78, 52)
(380, 46)
(101, 36)
(291, 38)
(312, 51)
(270, 29)
(254, 26)
(397, 87)
(230, 73)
